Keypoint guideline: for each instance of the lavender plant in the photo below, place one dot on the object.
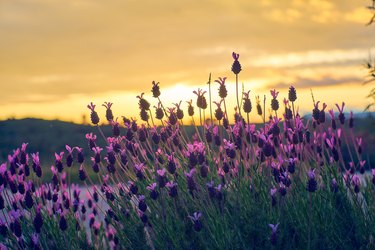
(218, 186)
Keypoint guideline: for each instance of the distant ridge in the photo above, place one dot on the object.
(50, 136)
(44, 136)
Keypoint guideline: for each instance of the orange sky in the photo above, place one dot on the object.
(57, 56)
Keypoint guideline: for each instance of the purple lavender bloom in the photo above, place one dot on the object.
(133, 187)
(139, 170)
(171, 164)
(172, 188)
(69, 157)
(161, 177)
(91, 138)
(58, 161)
(196, 221)
(82, 173)
(273, 237)
(80, 156)
(273, 192)
(141, 203)
(153, 193)
(356, 183)
(334, 186)
(229, 148)
(190, 180)
(35, 241)
(341, 113)
(312, 185)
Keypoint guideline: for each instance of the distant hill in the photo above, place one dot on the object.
(48, 137)
(43, 136)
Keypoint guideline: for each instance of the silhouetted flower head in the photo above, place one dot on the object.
(190, 108)
(155, 89)
(159, 113)
(316, 111)
(236, 66)
(144, 115)
(94, 115)
(108, 112)
(219, 114)
(274, 101)
(179, 111)
(247, 107)
(292, 94)
(143, 103)
(201, 99)
(341, 112)
(259, 107)
(172, 119)
(222, 89)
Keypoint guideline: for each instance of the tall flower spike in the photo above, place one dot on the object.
(94, 115)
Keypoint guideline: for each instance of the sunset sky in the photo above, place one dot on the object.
(57, 56)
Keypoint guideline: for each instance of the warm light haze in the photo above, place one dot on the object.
(58, 56)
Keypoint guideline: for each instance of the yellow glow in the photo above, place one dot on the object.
(55, 58)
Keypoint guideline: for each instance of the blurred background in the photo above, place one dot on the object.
(58, 56)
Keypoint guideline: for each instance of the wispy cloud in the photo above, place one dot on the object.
(308, 58)
(324, 81)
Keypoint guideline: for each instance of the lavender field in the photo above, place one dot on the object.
(289, 182)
